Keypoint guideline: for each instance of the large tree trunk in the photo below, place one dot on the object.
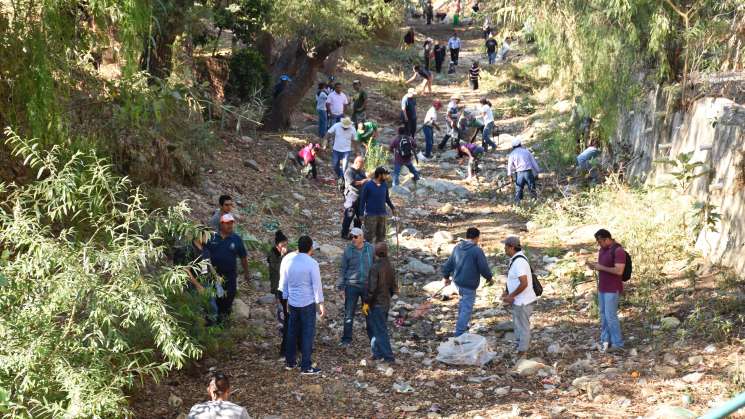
(170, 18)
(303, 67)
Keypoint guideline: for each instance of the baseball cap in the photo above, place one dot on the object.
(227, 218)
(512, 241)
(516, 141)
(355, 82)
(356, 231)
(284, 77)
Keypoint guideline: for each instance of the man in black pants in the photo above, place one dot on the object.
(408, 111)
(454, 46)
(354, 178)
(440, 52)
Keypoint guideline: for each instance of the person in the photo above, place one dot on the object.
(373, 199)
(191, 257)
(519, 292)
(281, 85)
(219, 406)
(486, 28)
(300, 282)
(381, 286)
(429, 12)
(488, 117)
(273, 261)
(409, 37)
(354, 178)
(427, 49)
(502, 54)
(306, 157)
(222, 249)
(355, 266)
(226, 206)
(454, 47)
(466, 265)
(336, 104)
(584, 158)
(359, 104)
(426, 76)
(474, 74)
(475, 6)
(610, 266)
(523, 169)
(429, 125)
(408, 111)
(451, 118)
(321, 97)
(439, 51)
(367, 134)
(491, 49)
(474, 153)
(403, 149)
(343, 133)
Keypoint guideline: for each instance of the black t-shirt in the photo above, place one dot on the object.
(491, 46)
(423, 72)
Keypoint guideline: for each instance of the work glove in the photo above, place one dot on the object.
(365, 309)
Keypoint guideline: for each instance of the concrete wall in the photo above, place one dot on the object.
(713, 128)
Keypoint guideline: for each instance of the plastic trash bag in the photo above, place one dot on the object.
(466, 349)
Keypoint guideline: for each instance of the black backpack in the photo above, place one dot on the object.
(628, 268)
(405, 147)
(537, 287)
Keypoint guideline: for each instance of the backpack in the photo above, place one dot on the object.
(537, 287)
(405, 148)
(627, 268)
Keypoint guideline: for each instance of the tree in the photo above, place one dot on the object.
(169, 20)
(307, 33)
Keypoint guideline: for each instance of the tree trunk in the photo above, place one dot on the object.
(303, 68)
(157, 56)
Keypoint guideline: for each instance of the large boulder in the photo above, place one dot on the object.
(444, 187)
(442, 237)
(434, 286)
(241, 310)
(417, 266)
(528, 367)
(333, 252)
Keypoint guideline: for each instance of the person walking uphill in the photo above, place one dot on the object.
(454, 47)
(519, 292)
(222, 249)
(439, 51)
(610, 266)
(523, 168)
(403, 149)
(373, 199)
(355, 266)
(467, 264)
(359, 105)
(408, 111)
(300, 282)
(428, 127)
(354, 178)
(274, 261)
(343, 133)
(336, 104)
(474, 74)
(323, 118)
(381, 286)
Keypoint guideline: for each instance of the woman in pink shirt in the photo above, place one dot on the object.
(307, 157)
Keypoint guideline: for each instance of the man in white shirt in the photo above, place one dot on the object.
(336, 104)
(454, 47)
(519, 292)
(218, 407)
(343, 133)
(300, 283)
(430, 124)
(488, 117)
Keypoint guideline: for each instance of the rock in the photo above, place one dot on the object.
(693, 378)
(665, 371)
(446, 209)
(363, 363)
(527, 367)
(670, 412)
(669, 323)
(434, 286)
(267, 299)
(478, 394)
(505, 326)
(449, 155)
(401, 191)
(298, 196)
(175, 401)
(241, 310)
(388, 372)
(502, 391)
(252, 164)
(554, 348)
(360, 374)
(444, 186)
(695, 360)
(710, 349)
(313, 388)
(409, 232)
(556, 411)
(333, 252)
(550, 260)
(403, 387)
(420, 267)
(584, 380)
(408, 408)
(669, 359)
(584, 252)
(442, 237)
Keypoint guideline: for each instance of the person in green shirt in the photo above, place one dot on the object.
(367, 134)
(359, 103)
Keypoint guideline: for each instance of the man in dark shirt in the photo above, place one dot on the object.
(403, 156)
(354, 178)
(222, 250)
(440, 52)
(428, 45)
(373, 199)
(408, 111)
(491, 49)
(359, 104)
(610, 265)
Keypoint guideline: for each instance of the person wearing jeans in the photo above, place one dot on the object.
(488, 118)
(610, 266)
(519, 292)
(300, 282)
(430, 124)
(355, 266)
(343, 133)
(521, 165)
(524, 178)
(400, 158)
(354, 178)
(381, 287)
(323, 117)
(340, 162)
(467, 264)
(454, 47)
(373, 199)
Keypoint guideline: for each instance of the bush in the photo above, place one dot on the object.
(86, 296)
(248, 75)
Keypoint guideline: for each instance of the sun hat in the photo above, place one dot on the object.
(516, 142)
(346, 122)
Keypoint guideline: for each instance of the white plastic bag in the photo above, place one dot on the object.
(466, 349)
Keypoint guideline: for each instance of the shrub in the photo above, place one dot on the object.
(84, 289)
(248, 75)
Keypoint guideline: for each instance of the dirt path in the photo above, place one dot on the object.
(351, 385)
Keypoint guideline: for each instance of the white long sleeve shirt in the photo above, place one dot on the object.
(300, 280)
(431, 116)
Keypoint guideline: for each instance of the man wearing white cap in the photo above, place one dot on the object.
(355, 265)
(523, 168)
(343, 133)
(408, 111)
(519, 292)
(222, 249)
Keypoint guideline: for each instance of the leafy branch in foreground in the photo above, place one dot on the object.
(84, 289)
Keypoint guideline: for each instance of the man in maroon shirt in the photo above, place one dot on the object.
(610, 265)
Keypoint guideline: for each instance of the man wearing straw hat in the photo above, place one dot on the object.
(343, 133)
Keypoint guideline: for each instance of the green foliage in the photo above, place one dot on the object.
(248, 75)
(243, 17)
(85, 302)
(685, 170)
(558, 149)
(377, 155)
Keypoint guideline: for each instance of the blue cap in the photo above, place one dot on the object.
(285, 77)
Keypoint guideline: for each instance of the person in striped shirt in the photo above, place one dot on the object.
(473, 75)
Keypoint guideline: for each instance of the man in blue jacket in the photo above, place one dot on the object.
(373, 199)
(467, 264)
(355, 265)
